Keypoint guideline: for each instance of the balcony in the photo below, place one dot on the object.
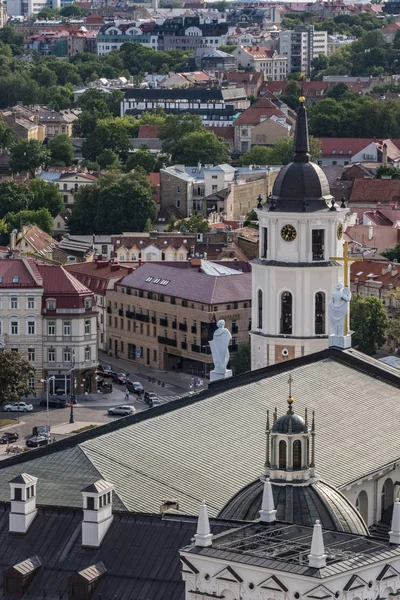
(182, 327)
(184, 345)
(174, 324)
(130, 314)
(193, 329)
(144, 318)
(195, 348)
(167, 341)
(154, 320)
(164, 322)
(120, 312)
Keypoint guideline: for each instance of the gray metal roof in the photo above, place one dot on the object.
(139, 554)
(199, 447)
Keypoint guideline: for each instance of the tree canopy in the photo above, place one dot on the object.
(195, 223)
(15, 375)
(116, 203)
(42, 218)
(280, 154)
(201, 146)
(392, 253)
(61, 150)
(28, 155)
(369, 322)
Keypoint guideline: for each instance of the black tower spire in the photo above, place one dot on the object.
(301, 141)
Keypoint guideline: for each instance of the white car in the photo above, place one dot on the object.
(122, 410)
(18, 407)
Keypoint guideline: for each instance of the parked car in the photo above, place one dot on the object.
(56, 402)
(119, 378)
(104, 371)
(36, 441)
(134, 387)
(122, 410)
(18, 407)
(9, 437)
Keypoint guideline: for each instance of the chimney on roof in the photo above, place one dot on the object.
(13, 240)
(97, 512)
(384, 154)
(23, 503)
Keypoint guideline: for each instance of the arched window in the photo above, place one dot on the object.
(362, 505)
(286, 312)
(297, 454)
(282, 454)
(260, 309)
(319, 313)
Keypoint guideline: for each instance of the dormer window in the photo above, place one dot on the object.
(51, 304)
(15, 279)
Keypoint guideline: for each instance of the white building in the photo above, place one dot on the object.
(25, 8)
(300, 229)
(257, 58)
(48, 316)
(301, 45)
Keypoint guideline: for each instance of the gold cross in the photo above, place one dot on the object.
(347, 260)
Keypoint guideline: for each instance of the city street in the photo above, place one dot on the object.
(92, 409)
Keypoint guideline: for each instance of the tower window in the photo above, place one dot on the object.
(260, 309)
(282, 454)
(319, 313)
(265, 243)
(286, 313)
(297, 454)
(318, 241)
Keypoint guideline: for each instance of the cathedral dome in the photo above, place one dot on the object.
(300, 504)
(289, 423)
(301, 186)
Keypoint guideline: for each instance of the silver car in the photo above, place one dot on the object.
(18, 407)
(122, 410)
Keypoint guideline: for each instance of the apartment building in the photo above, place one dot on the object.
(301, 45)
(164, 315)
(216, 106)
(261, 59)
(50, 317)
(220, 188)
(112, 35)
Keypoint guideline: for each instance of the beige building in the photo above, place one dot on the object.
(261, 59)
(244, 193)
(25, 126)
(164, 315)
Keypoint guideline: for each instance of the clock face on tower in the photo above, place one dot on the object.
(339, 231)
(288, 233)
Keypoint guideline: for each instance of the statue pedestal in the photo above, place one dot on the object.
(340, 341)
(218, 376)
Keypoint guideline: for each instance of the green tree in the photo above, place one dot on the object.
(337, 91)
(45, 195)
(28, 155)
(108, 159)
(6, 135)
(258, 155)
(194, 224)
(389, 253)
(387, 171)
(61, 150)
(14, 197)
(241, 362)
(229, 48)
(42, 218)
(115, 203)
(72, 10)
(12, 39)
(15, 374)
(47, 14)
(142, 158)
(113, 133)
(175, 128)
(201, 146)
(280, 154)
(148, 226)
(292, 95)
(369, 322)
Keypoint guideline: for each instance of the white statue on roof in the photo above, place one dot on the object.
(338, 309)
(220, 353)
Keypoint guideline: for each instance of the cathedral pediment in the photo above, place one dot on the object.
(187, 566)
(274, 584)
(387, 573)
(355, 583)
(228, 574)
(320, 593)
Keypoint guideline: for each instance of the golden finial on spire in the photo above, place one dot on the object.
(290, 398)
(302, 98)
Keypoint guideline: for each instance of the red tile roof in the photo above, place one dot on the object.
(350, 146)
(258, 51)
(17, 267)
(155, 180)
(378, 218)
(97, 275)
(38, 239)
(262, 108)
(148, 131)
(376, 191)
(378, 271)
(242, 77)
(225, 132)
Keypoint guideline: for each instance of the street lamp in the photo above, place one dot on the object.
(72, 371)
(47, 381)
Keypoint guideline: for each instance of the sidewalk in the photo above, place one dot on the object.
(179, 381)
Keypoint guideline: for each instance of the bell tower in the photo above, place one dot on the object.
(301, 227)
